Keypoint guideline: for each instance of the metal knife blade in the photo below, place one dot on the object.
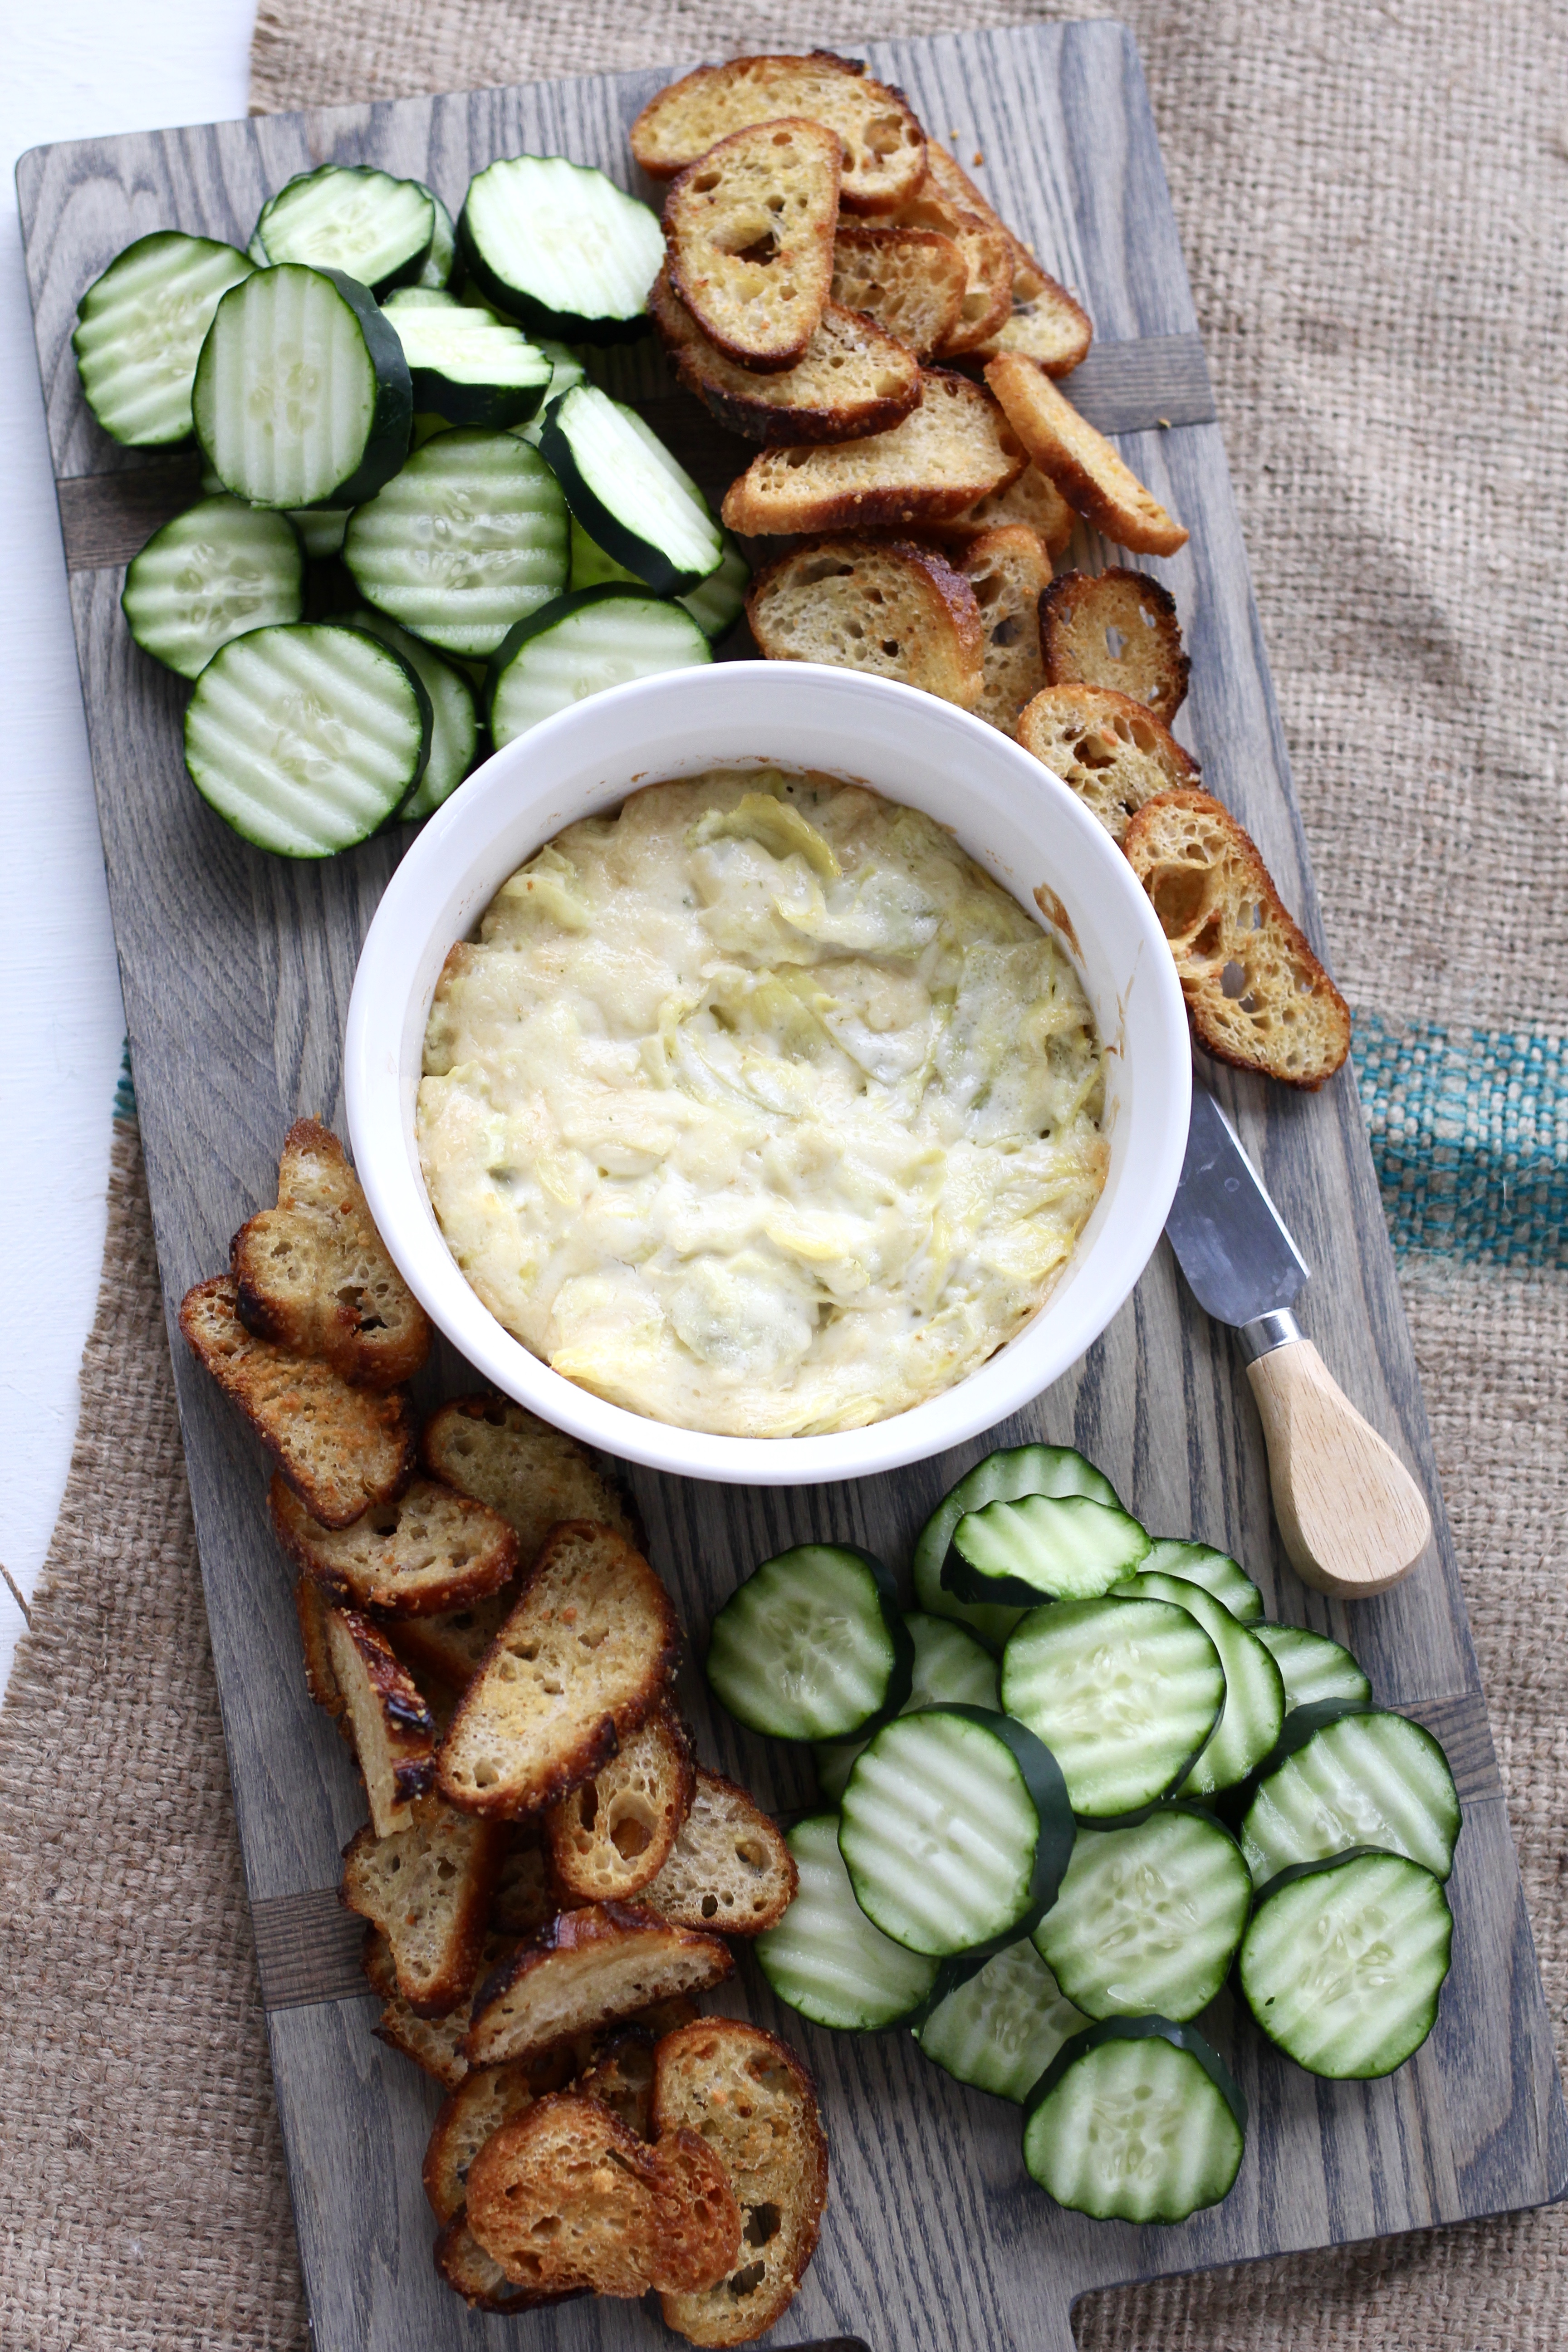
(1230, 1240)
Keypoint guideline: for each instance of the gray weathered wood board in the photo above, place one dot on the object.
(236, 970)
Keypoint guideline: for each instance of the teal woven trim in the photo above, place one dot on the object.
(125, 1089)
(1470, 1138)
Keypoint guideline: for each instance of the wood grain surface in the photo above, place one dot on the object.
(237, 970)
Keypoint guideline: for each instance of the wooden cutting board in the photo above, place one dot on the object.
(236, 969)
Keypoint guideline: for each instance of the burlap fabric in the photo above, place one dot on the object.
(1374, 205)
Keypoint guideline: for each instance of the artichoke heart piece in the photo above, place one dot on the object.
(776, 825)
(539, 891)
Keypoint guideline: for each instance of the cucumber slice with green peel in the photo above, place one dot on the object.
(1002, 2026)
(559, 247)
(812, 1645)
(1314, 1667)
(218, 570)
(140, 330)
(466, 366)
(1042, 1548)
(467, 541)
(351, 218)
(1147, 1919)
(715, 604)
(1345, 1776)
(305, 738)
(1003, 1477)
(441, 260)
(454, 718)
(955, 1830)
(582, 645)
(302, 394)
(628, 493)
(826, 1960)
(256, 252)
(1126, 1704)
(949, 1664)
(1253, 1711)
(1198, 1563)
(567, 369)
(1344, 1961)
(321, 529)
(1135, 2120)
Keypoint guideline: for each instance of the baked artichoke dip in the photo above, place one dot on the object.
(759, 1108)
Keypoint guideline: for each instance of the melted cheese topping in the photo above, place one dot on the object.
(759, 1108)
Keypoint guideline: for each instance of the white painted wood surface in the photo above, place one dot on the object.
(74, 69)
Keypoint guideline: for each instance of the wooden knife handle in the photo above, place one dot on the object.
(1353, 1517)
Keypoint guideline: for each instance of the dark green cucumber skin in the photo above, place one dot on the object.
(392, 420)
(605, 529)
(406, 276)
(901, 1681)
(533, 625)
(515, 302)
(500, 406)
(1049, 1793)
(1140, 2029)
(1288, 1877)
(153, 236)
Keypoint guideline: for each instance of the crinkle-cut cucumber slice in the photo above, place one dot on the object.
(812, 1645)
(351, 218)
(1003, 1476)
(302, 394)
(1147, 1919)
(454, 718)
(949, 1666)
(567, 369)
(305, 738)
(218, 570)
(627, 492)
(466, 364)
(715, 604)
(583, 645)
(955, 1830)
(1344, 1960)
(1345, 1776)
(441, 261)
(140, 332)
(468, 539)
(1135, 2120)
(1254, 1688)
(1126, 1703)
(1002, 2026)
(1314, 1667)
(1042, 1548)
(1198, 1563)
(559, 246)
(824, 1958)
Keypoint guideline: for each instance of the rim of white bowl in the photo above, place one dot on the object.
(433, 892)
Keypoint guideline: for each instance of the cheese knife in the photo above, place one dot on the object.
(1352, 1519)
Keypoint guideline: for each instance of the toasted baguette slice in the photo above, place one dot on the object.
(427, 1551)
(587, 1969)
(526, 1895)
(1007, 568)
(434, 2043)
(1033, 500)
(314, 1276)
(730, 1869)
(750, 2099)
(464, 2265)
(1256, 995)
(392, 1728)
(1113, 752)
(487, 2097)
(452, 1645)
(881, 606)
(534, 1475)
(1080, 461)
(427, 1888)
(749, 228)
(313, 1609)
(577, 1667)
(564, 2196)
(344, 1451)
(911, 282)
(621, 2076)
(852, 379)
(955, 447)
(1116, 628)
(615, 1833)
(883, 147)
(1044, 323)
(987, 256)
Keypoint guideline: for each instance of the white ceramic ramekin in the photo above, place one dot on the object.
(1013, 816)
